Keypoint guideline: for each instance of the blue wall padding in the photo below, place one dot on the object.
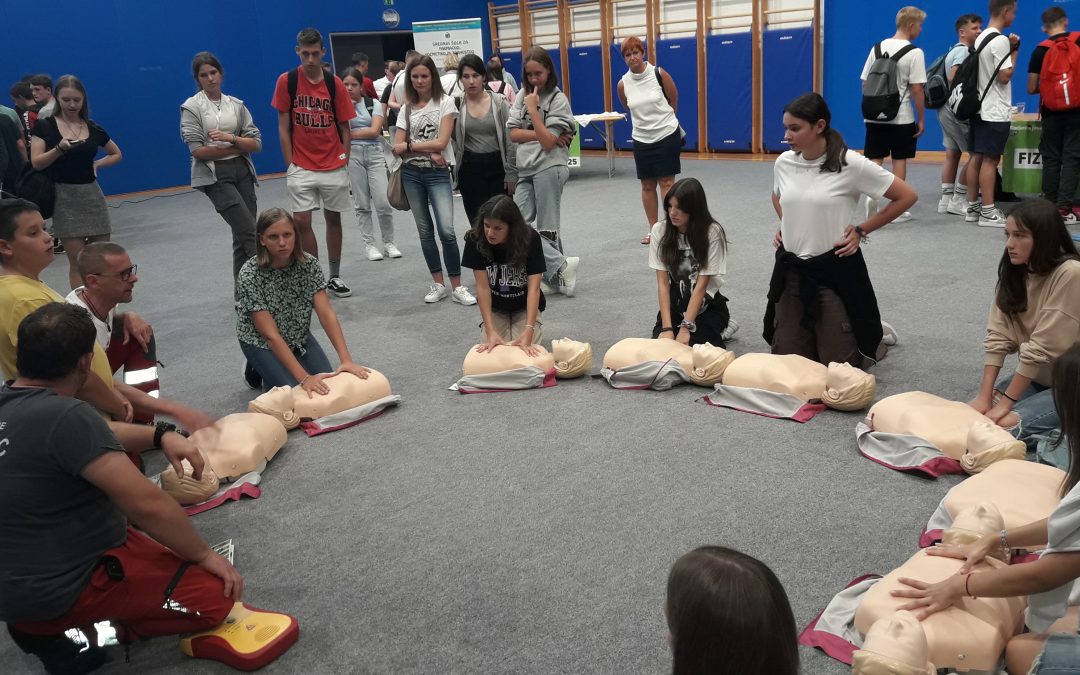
(729, 102)
(137, 97)
(512, 64)
(787, 71)
(587, 89)
(852, 27)
(678, 57)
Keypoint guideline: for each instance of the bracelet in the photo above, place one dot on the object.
(530, 326)
(306, 378)
(1005, 545)
(1008, 397)
(967, 580)
(667, 329)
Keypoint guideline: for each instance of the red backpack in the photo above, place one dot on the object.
(1059, 78)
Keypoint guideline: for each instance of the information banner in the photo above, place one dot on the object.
(1021, 165)
(439, 38)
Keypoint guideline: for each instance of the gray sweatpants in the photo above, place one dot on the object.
(540, 198)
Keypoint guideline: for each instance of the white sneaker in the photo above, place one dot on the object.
(373, 253)
(568, 276)
(436, 293)
(974, 210)
(993, 219)
(889, 336)
(957, 205)
(943, 203)
(728, 333)
(462, 296)
(903, 217)
(392, 251)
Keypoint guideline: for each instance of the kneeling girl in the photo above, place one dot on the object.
(508, 260)
(687, 249)
(277, 289)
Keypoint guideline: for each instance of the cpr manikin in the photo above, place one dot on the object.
(916, 430)
(791, 386)
(643, 363)
(505, 368)
(572, 358)
(351, 399)
(240, 443)
(894, 645)
(185, 489)
(970, 635)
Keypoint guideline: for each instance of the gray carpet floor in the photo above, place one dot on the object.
(533, 531)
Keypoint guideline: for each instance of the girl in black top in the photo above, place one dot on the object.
(65, 147)
(508, 262)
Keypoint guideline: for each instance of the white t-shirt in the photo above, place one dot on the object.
(380, 86)
(104, 328)
(425, 123)
(911, 69)
(688, 268)
(996, 107)
(450, 84)
(818, 206)
(223, 115)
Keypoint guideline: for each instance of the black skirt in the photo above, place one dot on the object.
(659, 159)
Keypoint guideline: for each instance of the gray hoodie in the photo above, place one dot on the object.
(195, 136)
(558, 118)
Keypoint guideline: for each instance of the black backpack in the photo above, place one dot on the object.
(964, 98)
(936, 89)
(331, 88)
(391, 114)
(880, 90)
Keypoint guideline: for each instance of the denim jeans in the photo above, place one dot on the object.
(1036, 410)
(1060, 656)
(540, 199)
(367, 177)
(429, 190)
(275, 374)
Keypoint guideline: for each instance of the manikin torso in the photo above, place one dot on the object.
(943, 423)
(1022, 491)
(238, 443)
(292, 404)
(782, 374)
(632, 351)
(503, 358)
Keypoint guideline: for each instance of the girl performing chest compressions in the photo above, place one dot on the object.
(821, 302)
(508, 262)
(687, 250)
(277, 290)
(1035, 314)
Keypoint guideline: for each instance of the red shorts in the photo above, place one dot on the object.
(139, 602)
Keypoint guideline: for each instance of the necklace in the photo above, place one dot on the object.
(92, 308)
(75, 130)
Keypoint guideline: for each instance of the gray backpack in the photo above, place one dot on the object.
(880, 91)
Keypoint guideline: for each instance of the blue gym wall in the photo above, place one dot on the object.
(135, 59)
(852, 27)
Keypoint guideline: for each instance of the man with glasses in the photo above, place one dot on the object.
(109, 278)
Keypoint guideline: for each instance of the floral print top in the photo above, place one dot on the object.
(286, 293)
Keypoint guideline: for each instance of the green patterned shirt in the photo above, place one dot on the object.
(287, 293)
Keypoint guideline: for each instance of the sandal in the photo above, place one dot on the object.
(647, 239)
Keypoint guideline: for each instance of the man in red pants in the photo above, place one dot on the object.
(68, 558)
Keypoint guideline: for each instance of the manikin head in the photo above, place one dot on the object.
(53, 350)
(709, 364)
(894, 645)
(41, 88)
(572, 358)
(974, 523)
(727, 614)
(848, 388)
(25, 245)
(310, 49)
(968, 27)
(909, 21)
(185, 489)
(988, 443)
(108, 275)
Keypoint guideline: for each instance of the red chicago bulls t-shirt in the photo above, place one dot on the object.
(316, 141)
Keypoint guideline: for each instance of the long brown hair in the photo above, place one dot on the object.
(266, 219)
(811, 107)
(692, 201)
(436, 84)
(1051, 245)
(1066, 375)
(540, 55)
(518, 236)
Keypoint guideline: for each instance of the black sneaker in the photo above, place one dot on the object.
(59, 654)
(252, 378)
(336, 286)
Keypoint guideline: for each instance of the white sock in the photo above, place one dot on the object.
(946, 188)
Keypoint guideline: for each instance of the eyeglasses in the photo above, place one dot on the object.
(124, 274)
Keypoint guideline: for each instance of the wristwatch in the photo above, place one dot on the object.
(160, 429)
(688, 325)
(859, 231)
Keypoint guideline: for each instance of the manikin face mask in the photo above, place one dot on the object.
(894, 645)
(572, 358)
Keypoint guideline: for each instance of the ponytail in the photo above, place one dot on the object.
(811, 107)
(835, 151)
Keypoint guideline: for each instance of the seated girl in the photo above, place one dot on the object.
(277, 289)
(687, 250)
(1048, 580)
(727, 614)
(508, 260)
(1035, 314)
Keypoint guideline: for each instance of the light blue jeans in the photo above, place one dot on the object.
(540, 199)
(367, 177)
(275, 374)
(1060, 656)
(1036, 410)
(430, 190)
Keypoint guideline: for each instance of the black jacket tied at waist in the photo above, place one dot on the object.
(846, 276)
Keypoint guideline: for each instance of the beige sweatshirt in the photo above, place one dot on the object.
(1050, 325)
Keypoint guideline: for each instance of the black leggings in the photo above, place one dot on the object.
(480, 177)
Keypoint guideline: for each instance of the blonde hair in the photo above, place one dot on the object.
(709, 364)
(450, 62)
(908, 16)
(848, 388)
(572, 358)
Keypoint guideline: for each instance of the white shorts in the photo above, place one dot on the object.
(308, 189)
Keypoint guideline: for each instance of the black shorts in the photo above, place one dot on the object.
(885, 140)
(987, 138)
